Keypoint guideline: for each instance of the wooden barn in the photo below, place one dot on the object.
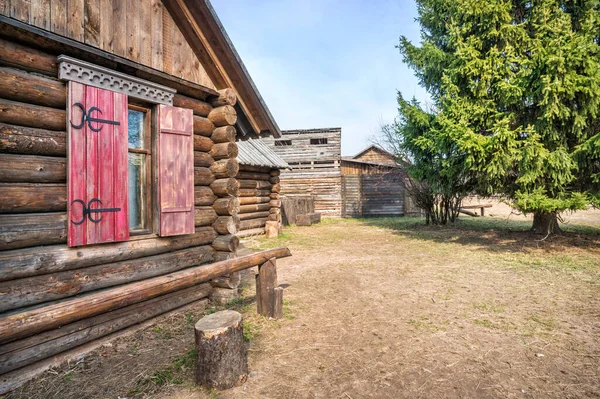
(372, 184)
(119, 190)
(314, 156)
(259, 180)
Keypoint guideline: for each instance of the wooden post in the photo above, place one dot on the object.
(266, 290)
(271, 228)
(222, 352)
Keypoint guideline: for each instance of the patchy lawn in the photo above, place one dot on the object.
(389, 308)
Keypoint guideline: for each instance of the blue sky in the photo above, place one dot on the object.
(326, 63)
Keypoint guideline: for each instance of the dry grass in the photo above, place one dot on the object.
(389, 308)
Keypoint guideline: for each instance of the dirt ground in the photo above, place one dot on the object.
(388, 308)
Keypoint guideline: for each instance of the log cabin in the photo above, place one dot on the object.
(119, 183)
(259, 178)
(314, 156)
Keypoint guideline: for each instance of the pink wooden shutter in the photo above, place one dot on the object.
(97, 166)
(175, 170)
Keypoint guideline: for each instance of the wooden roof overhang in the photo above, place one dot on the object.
(57, 44)
(204, 32)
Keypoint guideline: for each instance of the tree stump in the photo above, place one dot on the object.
(222, 353)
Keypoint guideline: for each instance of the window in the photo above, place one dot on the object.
(318, 141)
(139, 168)
(283, 143)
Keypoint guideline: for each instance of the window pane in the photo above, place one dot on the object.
(137, 195)
(136, 128)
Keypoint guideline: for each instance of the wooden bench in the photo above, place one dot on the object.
(463, 209)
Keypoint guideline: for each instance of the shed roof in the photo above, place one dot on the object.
(255, 152)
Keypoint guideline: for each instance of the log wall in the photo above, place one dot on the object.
(259, 199)
(37, 269)
(373, 195)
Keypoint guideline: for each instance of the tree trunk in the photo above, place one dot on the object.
(545, 223)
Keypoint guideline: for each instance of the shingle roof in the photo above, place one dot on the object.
(257, 153)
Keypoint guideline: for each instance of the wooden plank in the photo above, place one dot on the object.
(157, 36)
(119, 27)
(20, 10)
(133, 31)
(57, 258)
(58, 16)
(75, 20)
(20, 231)
(40, 14)
(21, 353)
(144, 32)
(28, 323)
(106, 34)
(266, 281)
(51, 287)
(167, 35)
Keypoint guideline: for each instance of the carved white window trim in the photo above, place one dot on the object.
(83, 72)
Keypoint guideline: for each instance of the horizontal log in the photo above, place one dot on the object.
(32, 169)
(33, 229)
(224, 134)
(225, 187)
(224, 151)
(255, 169)
(253, 215)
(226, 97)
(273, 217)
(225, 168)
(253, 200)
(223, 116)
(18, 85)
(204, 216)
(203, 195)
(253, 176)
(199, 107)
(33, 290)
(202, 144)
(27, 198)
(276, 211)
(21, 353)
(26, 140)
(253, 223)
(276, 188)
(274, 196)
(221, 256)
(27, 58)
(274, 179)
(227, 224)
(227, 206)
(260, 184)
(231, 281)
(226, 243)
(203, 126)
(27, 323)
(203, 159)
(275, 172)
(251, 232)
(57, 258)
(254, 208)
(250, 192)
(16, 113)
(203, 176)
(275, 203)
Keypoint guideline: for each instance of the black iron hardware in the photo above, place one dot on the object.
(87, 210)
(87, 116)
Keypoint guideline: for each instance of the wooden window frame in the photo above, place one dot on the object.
(148, 150)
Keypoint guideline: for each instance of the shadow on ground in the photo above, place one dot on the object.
(495, 234)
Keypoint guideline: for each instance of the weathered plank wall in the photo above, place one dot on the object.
(315, 167)
(259, 199)
(376, 155)
(296, 205)
(37, 269)
(373, 195)
(141, 31)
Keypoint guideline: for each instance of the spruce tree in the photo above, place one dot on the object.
(516, 85)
